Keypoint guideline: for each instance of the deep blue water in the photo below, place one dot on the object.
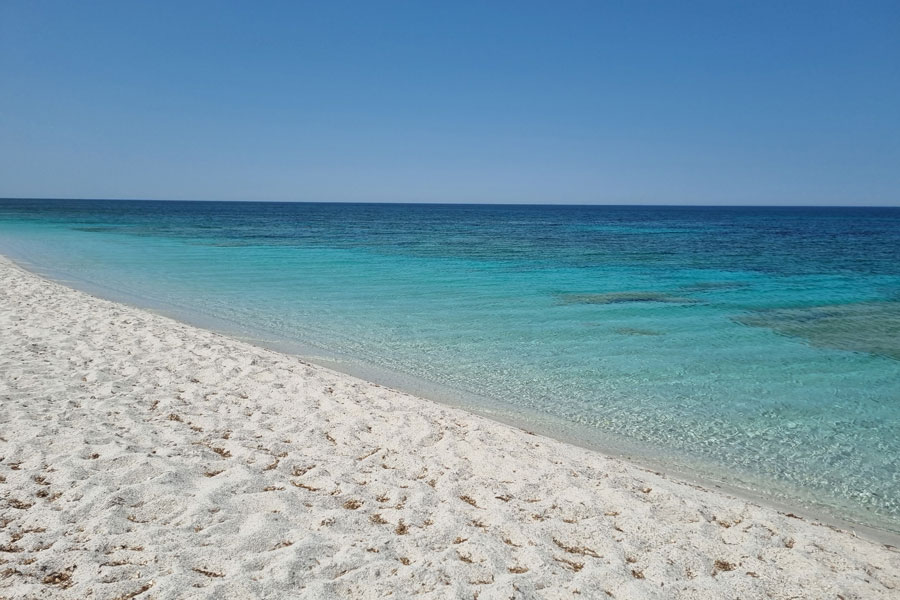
(755, 346)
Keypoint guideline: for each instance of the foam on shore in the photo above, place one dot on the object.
(140, 457)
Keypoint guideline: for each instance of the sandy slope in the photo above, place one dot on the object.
(145, 458)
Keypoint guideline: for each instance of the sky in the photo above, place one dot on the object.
(721, 102)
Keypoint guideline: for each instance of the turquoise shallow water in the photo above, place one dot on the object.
(755, 346)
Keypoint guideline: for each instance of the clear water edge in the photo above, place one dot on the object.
(831, 374)
(524, 419)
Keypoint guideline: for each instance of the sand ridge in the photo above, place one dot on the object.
(143, 458)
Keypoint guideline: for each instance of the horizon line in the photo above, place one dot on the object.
(611, 204)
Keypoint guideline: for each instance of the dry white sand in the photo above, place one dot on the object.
(145, 458)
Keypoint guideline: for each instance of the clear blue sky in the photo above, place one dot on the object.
(714, 102)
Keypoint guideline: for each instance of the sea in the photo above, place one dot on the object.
(756, 348)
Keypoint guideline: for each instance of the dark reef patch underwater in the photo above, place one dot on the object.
(622, 298)
(871, 327)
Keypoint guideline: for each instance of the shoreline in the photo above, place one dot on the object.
(295, 438)
(556, 429)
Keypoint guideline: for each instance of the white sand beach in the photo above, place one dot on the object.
(143, 458)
